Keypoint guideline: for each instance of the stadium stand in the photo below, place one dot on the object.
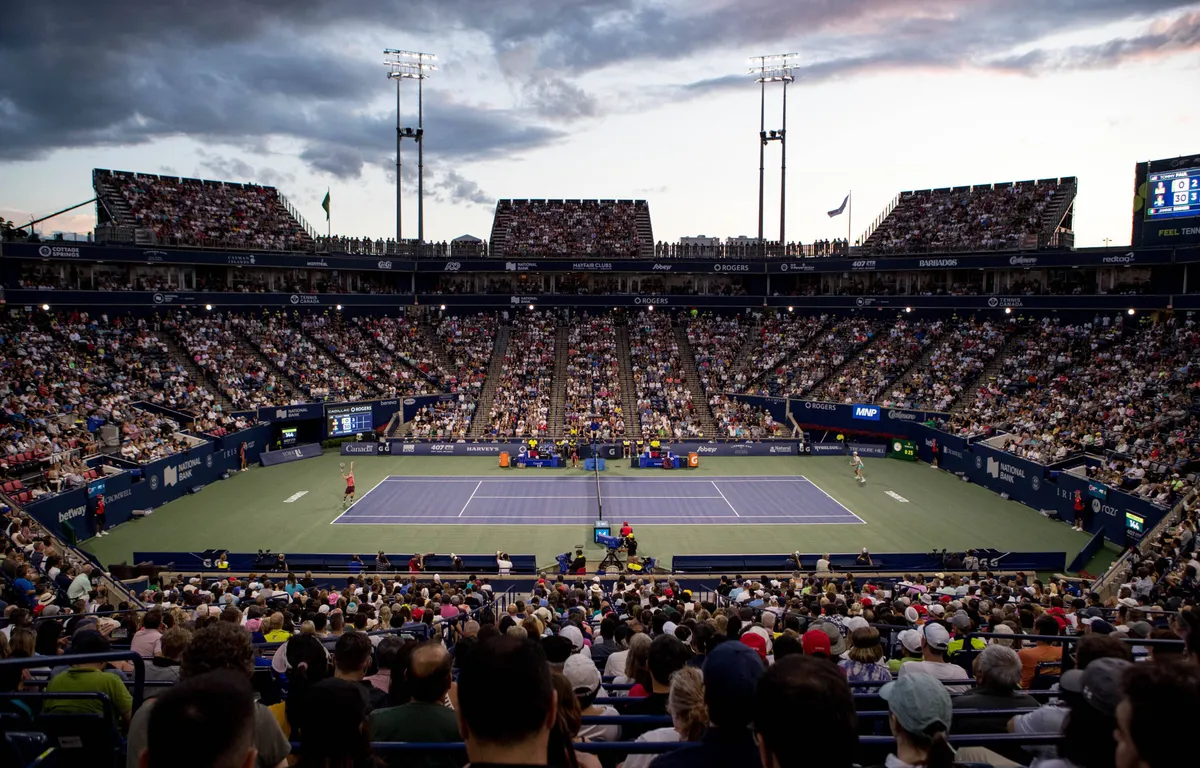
(163, 210)
(283, 342)
(1009, 215)
(886, 355)
(665, 402)
(593, 381)
(520, 401)
(579, 228)
(958, 357)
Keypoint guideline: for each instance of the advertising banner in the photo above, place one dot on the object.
(826, 449)
(767, 448)
(721, 267)
(292, 412)
(287, 455)
(65, 251)
(869, 419)
(402, 448)
(350, 448)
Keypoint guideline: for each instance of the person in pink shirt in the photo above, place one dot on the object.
(147, 641)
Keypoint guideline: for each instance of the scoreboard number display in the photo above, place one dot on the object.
(1173, 194)
(346, 420)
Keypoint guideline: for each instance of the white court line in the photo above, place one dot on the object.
(579, 479)
(360, 498)
(743, 522)
(714, 485)
(593, 497)
(464, 509)
(840, 504)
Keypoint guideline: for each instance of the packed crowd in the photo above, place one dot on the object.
(445, 420)
(521, 402)
(219, 352)
(888, 352)
(979, 218)
(282, 341)
(194, 212)
(356, 348)
(716, 344)
(593, 385)
(570, 227)
(778, 338)
(664, 401)
(731, 671)
(815, 357)
(743, 421)
(958, 358)
(404, 338)
(468, 341)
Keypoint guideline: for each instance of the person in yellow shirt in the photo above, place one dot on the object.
(275, 633)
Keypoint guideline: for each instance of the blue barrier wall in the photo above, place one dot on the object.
(883, 421)
(150, 485)
(304, 561)
(916, 562)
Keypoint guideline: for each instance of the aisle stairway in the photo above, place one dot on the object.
(499, 238)
(177, 355)
(558, 398)
(645, 231)
(971, 392)
(687, 361)
(435, 344)
(481, 421)
(628, 389)
(338, 361)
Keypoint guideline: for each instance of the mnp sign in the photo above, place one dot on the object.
(866, 412)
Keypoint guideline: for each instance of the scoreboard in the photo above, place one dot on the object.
(1173, 194)
(344, 420)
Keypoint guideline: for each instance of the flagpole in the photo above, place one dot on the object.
(849, 218)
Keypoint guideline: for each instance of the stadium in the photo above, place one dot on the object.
(952, 453)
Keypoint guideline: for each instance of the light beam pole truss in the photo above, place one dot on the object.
(772, 69)
(410, 65)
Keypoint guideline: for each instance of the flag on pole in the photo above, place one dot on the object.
(325, 205)
(841, 208)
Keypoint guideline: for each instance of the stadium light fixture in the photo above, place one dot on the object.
(442, 307)
(772, 68)
(339, 307)
(1131, 311)
(1008, 310)
(650, 308)
(791, 309)
(411, 65)
(908, 309)
(208, 307)
(45, 307)
(530, 307)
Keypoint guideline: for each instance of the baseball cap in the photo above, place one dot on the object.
(583, 675)
(937, 610)
(918, 701)
(961, 620)
(911, 615)
(669, 628)
(764, 634)
(1099, 683)
(1140, 629)
(417, 613)
(936, 637)
(911, 640)
(814, 641)
(89, 641)
(572, 633)
(856, 622)
(756, 643)
(1101, 627)
(731, 673)
(837, 643)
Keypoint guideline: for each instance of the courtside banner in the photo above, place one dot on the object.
(869, 450)
(776, 448)
(401, 448)
(307, 451)
(364, 449)
(826, 449)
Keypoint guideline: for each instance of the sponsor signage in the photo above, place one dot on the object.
(866, 412)
(362, 449)
(287, 455)
(163, 255)
(826, 449)
(292, 412)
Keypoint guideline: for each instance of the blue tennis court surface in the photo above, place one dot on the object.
(572, 500)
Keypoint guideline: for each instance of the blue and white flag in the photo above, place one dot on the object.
(841, 208)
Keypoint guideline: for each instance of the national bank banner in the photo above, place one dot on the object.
(150, 485)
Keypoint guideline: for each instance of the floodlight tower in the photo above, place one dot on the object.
(772, 69)
(411, 65)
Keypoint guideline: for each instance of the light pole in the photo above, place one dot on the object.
(772, 69)
(410, 65)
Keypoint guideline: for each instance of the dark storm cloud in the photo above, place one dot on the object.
(454, 188)
(74, 73)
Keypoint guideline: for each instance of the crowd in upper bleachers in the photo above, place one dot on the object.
(593, 385)
(965, 219)
(283, 342)
(831, 343)
(192, 212)
(570, 227)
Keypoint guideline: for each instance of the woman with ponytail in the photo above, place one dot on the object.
(568, 720)
(689, 715)
(308, 664)
(920, 720)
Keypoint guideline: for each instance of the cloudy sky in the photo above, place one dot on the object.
(597, 98)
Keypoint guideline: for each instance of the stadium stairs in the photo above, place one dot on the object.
(483, 406)
(807, 349)
(499, 239)
(853, 352)
(177, 355)
(931, 346)
(435, 344)
(628, 388)
(558, 398)
(645, 231)
(687, 358)
(285, 382)
(335, 355)
(971, 392)
(113, 200)
(1060, 212)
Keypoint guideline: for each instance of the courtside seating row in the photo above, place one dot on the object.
(332, 562)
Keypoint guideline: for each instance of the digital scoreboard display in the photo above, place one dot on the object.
(1173, 194)
(346, 420)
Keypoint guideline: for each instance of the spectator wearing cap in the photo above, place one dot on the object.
(997, 676)
(934, 641)
(864, 662)
(920, 721)
(668, 654)
(1092, 697)
(689, 715)
(507, 703)
(731, 674)
(800, 689)
(220, 646)
(573, 633)
(963, 626)
(1044, 650)
(1159, 705)
(89, 678)
(425, 717)
(585, 682)
(910, 646)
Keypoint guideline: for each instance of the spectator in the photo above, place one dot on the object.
(934, 642)
(165, 667)
(147, 641)
(731, 674)
(507, 703)
(1093, 695)
(560, 749)
(998, 675)
(920, 720)
(351, 660)
(864, 662)
(809, 691)
(689, 715)
(585, 683)
(333, 726)
(425, 717)
(1159, 705)
(89, 677)
(220, 646)
(1043, 651)
(668, 654)
(220, 705)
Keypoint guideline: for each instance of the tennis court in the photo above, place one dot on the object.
(488, 500)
